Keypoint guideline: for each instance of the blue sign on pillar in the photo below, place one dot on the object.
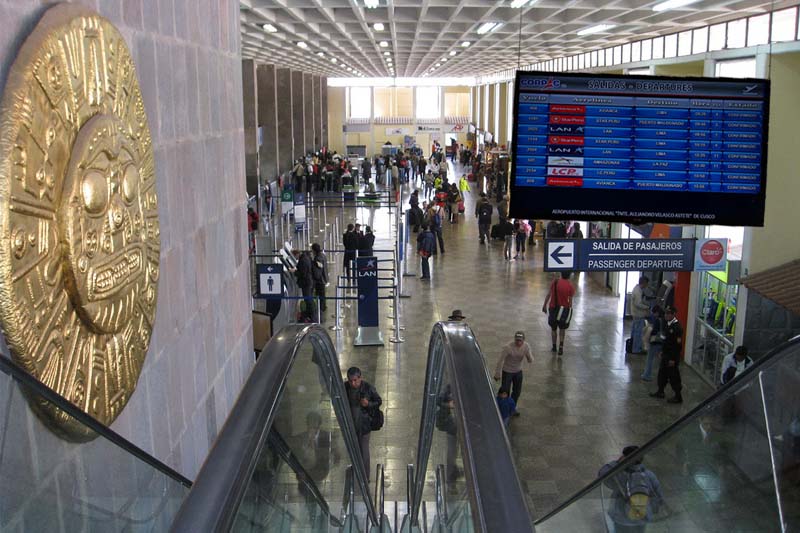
(367, 279)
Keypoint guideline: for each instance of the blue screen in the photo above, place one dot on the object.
(639, 148)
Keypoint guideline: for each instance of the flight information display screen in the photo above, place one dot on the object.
(639, 148)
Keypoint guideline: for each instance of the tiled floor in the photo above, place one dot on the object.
(577, 412)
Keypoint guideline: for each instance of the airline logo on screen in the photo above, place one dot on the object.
(541, 83)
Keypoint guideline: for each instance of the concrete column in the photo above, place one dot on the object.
(268, 121)
(250, 106)
(324, 101)
(297, 115)
(283, 99)
(308, 114)
(317, 116)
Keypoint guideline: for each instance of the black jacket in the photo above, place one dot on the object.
(365, 243)
(319, 268)
(303, 273)
(361, 415)
(350, 240)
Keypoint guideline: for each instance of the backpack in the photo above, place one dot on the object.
(376, 419)
(485, 210)
(637, 494)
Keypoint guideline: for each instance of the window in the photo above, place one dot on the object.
(456, 104)
(636, 51)
(510, 110)
(717, 36)
(758, 30)
(609, 57)
(783, 25)
(671, 45)
(594, 58)
(737, 68)
(428, 102)
(360, 102)
(647, 49)
(617, 55)
(685, 43)
(394, 102)
(737, 33)
(626, 53)
(658, 48)
(700, 40)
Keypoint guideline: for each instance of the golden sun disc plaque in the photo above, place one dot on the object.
(79, 232)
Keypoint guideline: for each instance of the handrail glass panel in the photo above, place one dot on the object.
(50, 484)
(730, 465)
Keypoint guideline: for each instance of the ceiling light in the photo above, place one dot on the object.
(389, 60)
(453, 52)
(596, 29)
(269, 28)
(321, 54)
(384, 44)
(371, 4)
(334, 60)
(673, 4)
(302, 44)
(486, 27)
(519, 3)
(378, 26)
(443, 60)
(465, 44)
(387, 53)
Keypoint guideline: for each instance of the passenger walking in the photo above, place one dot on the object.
(669, 370)
(509, 365)
(463, 186)
(426, 245)
(483, 212)
(558, 306)
(734, 364)
(507, 232)
(656, 340)
(521, 231)
(640, 310)
(436, 227)
(364, 402)
(635, 494)
(305, 281)
(319, 273)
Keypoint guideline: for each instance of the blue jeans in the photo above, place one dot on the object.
(652, 352)
(426, 268)
(636, 334)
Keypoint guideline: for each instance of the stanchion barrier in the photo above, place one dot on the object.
(396, 338)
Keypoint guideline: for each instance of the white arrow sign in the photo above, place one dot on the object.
(560, 255)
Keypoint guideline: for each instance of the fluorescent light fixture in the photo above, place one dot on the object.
(596, 29)
(452, 53)
(321, 54)
(371, 4)
(443, 60)
(387, 53)
(465, 44)
(673, 4)
(378, 26)
(269, 28)
(486, 27)
(520, 3)
(302, 44)
(334, 60)
(384, 44)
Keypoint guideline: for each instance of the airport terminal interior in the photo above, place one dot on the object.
(195, 339)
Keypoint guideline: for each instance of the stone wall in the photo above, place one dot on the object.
(187, 57)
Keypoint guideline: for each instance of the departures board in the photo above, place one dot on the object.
(639, 148)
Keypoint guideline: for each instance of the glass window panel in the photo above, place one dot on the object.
(716, 39)
(700, 41)
(758, 30)
(737, 33)
(737, 68)
(360, 102)
(617, 55)
(647, 49)
(783, 25)
(658, 48)
(626, 53)
(428, 102)
(582, 61)
(685, 43)
(636, 51)
(671, 45)
(594, 58)
(601, 58)
(609, 57)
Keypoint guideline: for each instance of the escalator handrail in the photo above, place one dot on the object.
(743, 379)
(496, 496)
(213, 502)
(18, 373)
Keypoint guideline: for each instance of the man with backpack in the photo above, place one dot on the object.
(483, 211)
(365, 405)
(636, 494)
(319, 273)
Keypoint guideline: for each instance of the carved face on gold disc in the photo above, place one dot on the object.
(79, 233)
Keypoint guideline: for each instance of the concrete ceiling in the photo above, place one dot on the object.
(420, 33)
